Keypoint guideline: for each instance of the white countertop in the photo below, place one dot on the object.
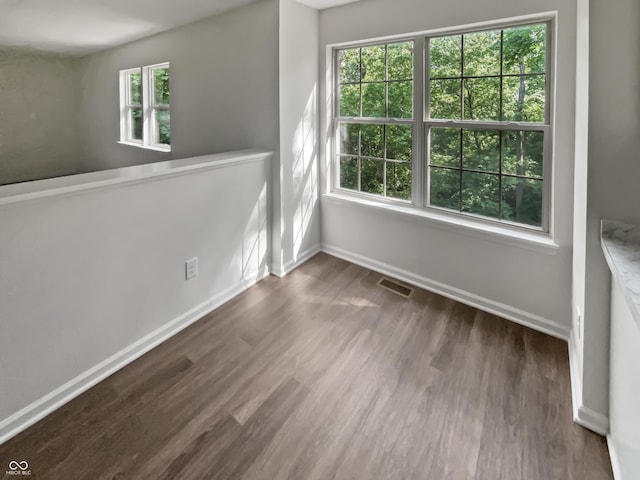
(621, 246)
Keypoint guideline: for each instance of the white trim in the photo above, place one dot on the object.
(529, 240)
(516, 315)
(574, 375)
(157, 148)
(44, 406)
(283, 270)
(59, 186)
(592, 420)
(615, 459)
(582, 415)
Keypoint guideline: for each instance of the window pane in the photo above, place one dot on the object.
(523, 98)
(482, 53)
(349, 173)
(445, 99)
(445, 57)
(400, 61)
(482, 99)
(135, 124)
(135, 86)
(481, 150)
(372, 180)
(373, 100)
(444, 188)
(161, 86)
(373, 63)
(445, 147)
(399, 142)
(372, 141)
(522, 200)
(400, 99)
(162, 127)
(524, 49)
(349, 65)
(349, 101)
(349, 134)
(481, 194)
(399, 180)
(522, 153)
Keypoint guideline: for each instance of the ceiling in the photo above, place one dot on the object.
(78, 27)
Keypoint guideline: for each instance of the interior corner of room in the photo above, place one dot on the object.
(97, 234)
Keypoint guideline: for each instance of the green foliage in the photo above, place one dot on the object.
(376, 82)
(161, 96)
(161, 86)
(496, 75)
(373, 153)
(522, 96)
(511, 188)
(135, 83)
(163, 121)
(137, 123)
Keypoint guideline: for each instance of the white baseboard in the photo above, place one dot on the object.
(42, 407)
(615, 460)
(282, 270)
(514, 314)
(582, 415)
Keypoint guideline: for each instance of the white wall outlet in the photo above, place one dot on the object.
(579, 321)
(192, 268)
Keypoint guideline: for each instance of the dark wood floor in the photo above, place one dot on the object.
(325, 375)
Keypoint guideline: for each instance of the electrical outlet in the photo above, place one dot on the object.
(192, 268)
(579, 321)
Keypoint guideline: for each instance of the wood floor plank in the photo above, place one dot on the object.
(324, 375)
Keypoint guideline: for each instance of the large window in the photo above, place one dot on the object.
(457, 122)
(145, 117)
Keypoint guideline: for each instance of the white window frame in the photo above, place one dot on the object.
(420, 163)
(149, 108)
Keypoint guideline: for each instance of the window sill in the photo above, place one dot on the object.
(155, 148)
(539, 242)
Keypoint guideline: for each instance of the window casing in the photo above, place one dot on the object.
(145, 112)
(489, 161)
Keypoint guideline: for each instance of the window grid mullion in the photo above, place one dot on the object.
(501, 133)
(460, 171)
(360, 150)
(462, 112)
(421, 112)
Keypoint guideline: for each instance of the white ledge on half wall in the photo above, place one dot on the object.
(23, 191)
(322, 4)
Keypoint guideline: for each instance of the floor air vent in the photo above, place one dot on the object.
(395, 287)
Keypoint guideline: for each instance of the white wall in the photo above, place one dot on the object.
(87, 275)
(39, 125)
(624, 438)
(297, 228)
(224, 88)
(613, 172)
(533, 286)
(581, 166)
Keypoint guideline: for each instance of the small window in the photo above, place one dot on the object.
(145, 114)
